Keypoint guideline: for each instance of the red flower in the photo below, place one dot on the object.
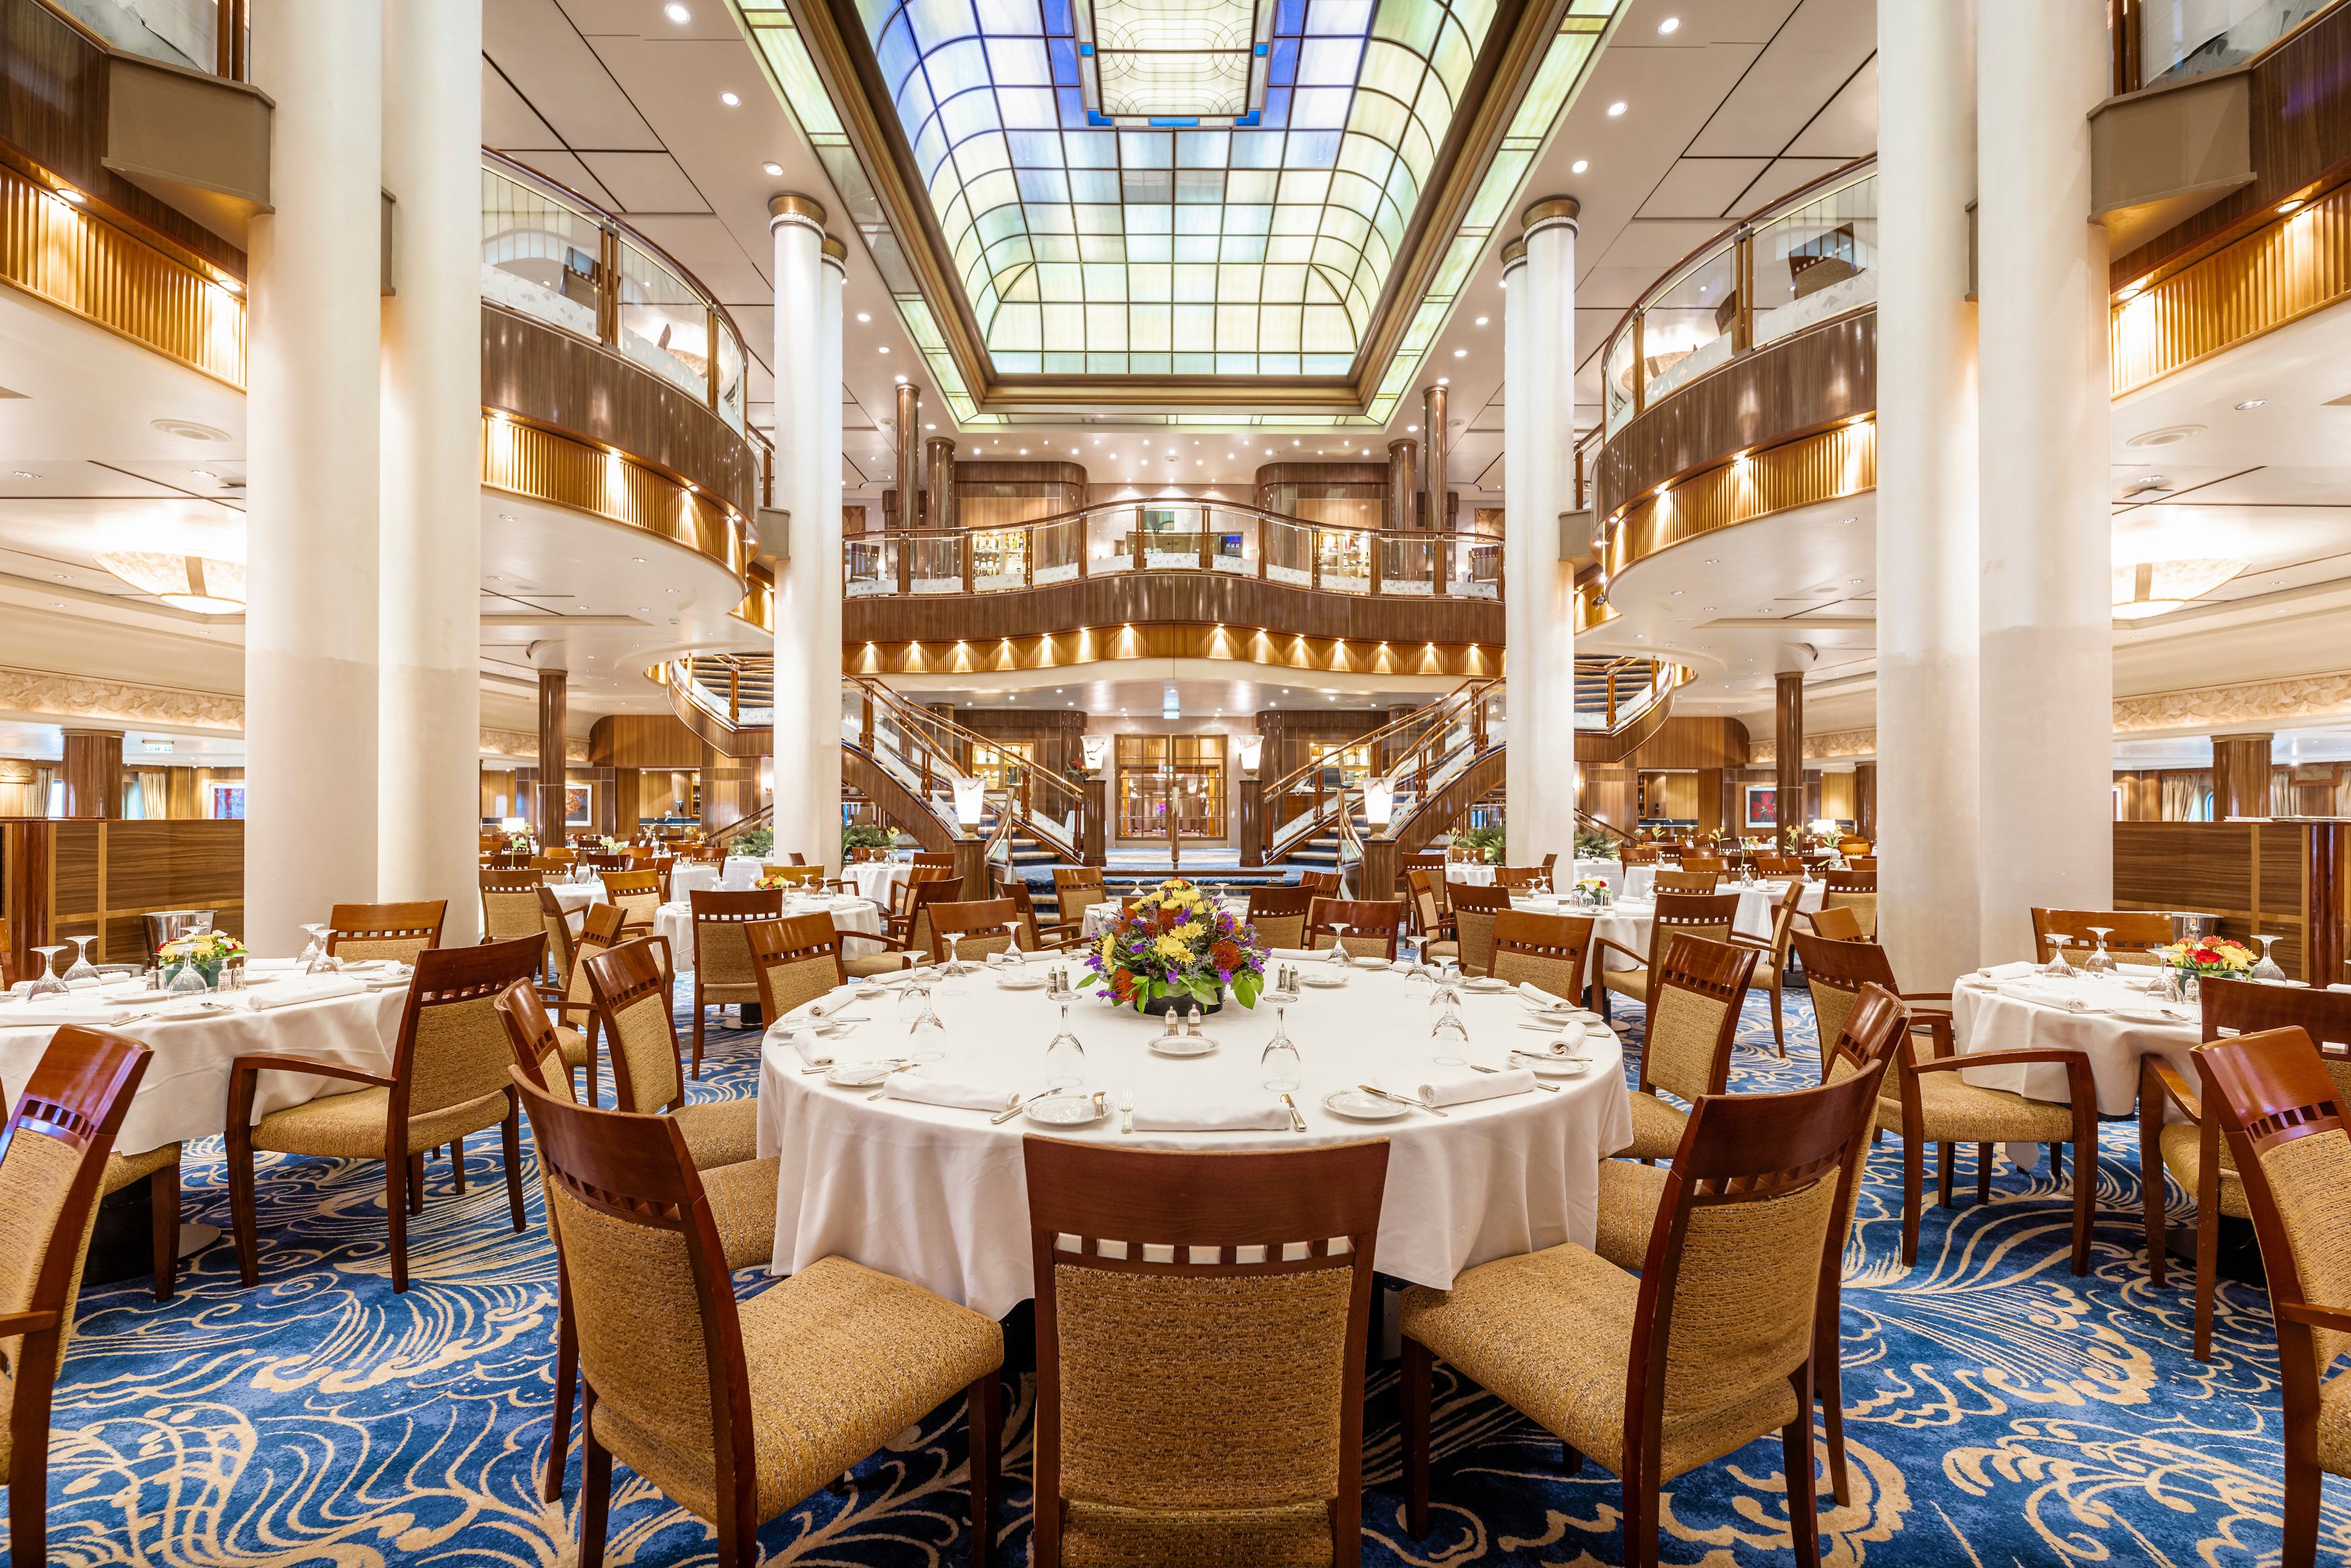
(1122, 982)
(1226, 956)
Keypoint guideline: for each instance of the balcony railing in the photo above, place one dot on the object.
(1808, 258)
(551, 256)
(1172, 535)
(2159, 42)
(207, 36)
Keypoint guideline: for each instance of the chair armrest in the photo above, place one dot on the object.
(2312, 1315)
(14, 1323)
(1640, 959)
(1752, 944)
(2175, 1088)
(1923, 995)
(247, 1064)
(2002, 1059)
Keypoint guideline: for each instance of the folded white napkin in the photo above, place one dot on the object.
(22, 986)
(2016, 970)
(948, 1092)
(313, 988)
(1459, 1088)
(1270, 1116)
(813, 1051)
(1296, 953)
(2046, 996)
(1540, 997)
(826, 1006)
(87, 1017)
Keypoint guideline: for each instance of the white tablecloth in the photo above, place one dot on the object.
(576, 898)
(694, 877)
(1639, 882)
(1628, 920)
(741, 873)
(851, 915)
(937, 1196)
(184, 1093)
(2027, 1014)
(1609, 872)
(878, 880)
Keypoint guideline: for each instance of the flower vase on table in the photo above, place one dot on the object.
(1175, 950)
(2187, 963)
(201, 956)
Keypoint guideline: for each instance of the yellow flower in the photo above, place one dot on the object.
(1109, 941)
(1173, 948)
(1190, 932)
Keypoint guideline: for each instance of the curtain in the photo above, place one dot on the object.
(24, 789)
(2282, 803)
(2187, 797)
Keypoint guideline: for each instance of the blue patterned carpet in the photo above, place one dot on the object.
(2000, 1411)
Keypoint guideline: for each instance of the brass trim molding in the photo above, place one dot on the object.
(1827, 466)
(1551, 209)
(1093, 645)
(82, 265)
(538, 464)
(2297, 264)
(796, 209)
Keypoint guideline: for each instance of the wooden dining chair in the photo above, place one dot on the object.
(1710, 916)
(1687, 881)
(1854, 890)
(908, 941)
(1321, 884)
(1475, 909)
(1279, 914)
(2193, 1149)
(59, 1137)
(1715, 1344)
(1837, 925)
(637, 894)
(1372, 925)
(510, 905)
(735, 1410)
(398, 931)
(797, 959)
(2132, 935)
(1638, 855)
(722, 958)
(448, 1078)
(1037, 934)
(1776, 865)
(1546, 952)
(557, 924)
(940, 859)
(2279, 1107)
(974, 929)
(1078, 888)
(1685, 1045)
(1431, 920)
(1517, 876)
(599, 929)
(1208, 1408)
(1771, 957)
(631, 989)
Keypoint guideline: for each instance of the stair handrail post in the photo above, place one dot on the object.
(1611, 696)
(967, 552)
(1204, 537)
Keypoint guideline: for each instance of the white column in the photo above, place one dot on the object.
(1927, 545)
(2047, 831)
(1539, 483)
(311, 411)
(808, 486)
(429, 726)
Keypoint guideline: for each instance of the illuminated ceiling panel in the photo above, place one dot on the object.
(1163, 59)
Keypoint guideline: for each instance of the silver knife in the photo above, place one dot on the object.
(1006, 1115)
(1297, 1122)
(1402, 1099)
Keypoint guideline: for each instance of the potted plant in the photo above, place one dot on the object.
(1484, 845)
(755, 845)
(206, 953)
(1176, 949)
(865, 840)
(1593, 844)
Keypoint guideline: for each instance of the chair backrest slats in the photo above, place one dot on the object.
(1372, 925)
(979, 927)
(796, 960)
(386, 930)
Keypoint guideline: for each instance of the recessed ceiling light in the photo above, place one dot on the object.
(861, 315)
(76, 197)
(506, 516)
(730, 100)
(1853, 582)
(1670, 24)
(2284, 207)
(1579, 166)
(677, 13)
(636, 560)
(1445, 380)
(900, 380)
(2250, 403)
(1708, 609)
(1711, 563)
(885, 347)
(1675, 594)
(645, 610)
(1412, 428)
(1483, 319)
(1462, 353)
(772, 170)
(669, 590)
(1616, 108)
(930, 427)
(203, 473)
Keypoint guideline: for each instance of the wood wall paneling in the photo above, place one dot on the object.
(2280, 878)
(643, 741)
(2241, 776)
(92, 773)
(1685, 742)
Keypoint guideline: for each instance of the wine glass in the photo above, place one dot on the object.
(2100, 960)
(1451, 1035)
(1280, 1058)
(956, 969)
(46, 982)
(2267, 969)
(81, 968)
(1339, 954)
(928, 1030)
(188, 979)
(316, 959)
(1065, 1056)
(2057, 966)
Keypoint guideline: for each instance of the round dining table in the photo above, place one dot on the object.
(1626, 922)
(2112, 1019)
(936, 1194)
(1479, 875)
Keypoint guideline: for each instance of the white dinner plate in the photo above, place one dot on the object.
(1015, 980)
(1357, 1106)
(1067, 1110)
(1321, 978)
(859, 1075)
(1183, 1045)
(1485, 982)
(1367, 962)
(1553, 1066)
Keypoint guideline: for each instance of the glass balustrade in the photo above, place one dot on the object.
(1688, 328)
(1817, 261)
(663, 324)
(2184, 38)
(541, 256)
(183, 32)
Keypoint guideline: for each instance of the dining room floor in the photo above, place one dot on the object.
(1999, 1411)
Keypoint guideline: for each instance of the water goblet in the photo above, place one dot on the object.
(81, 968)
(928, 1031)
(200, 924)
(1339, 954)
(1451, 1035)
(188, 979)
(2057, 966)
(2267, 969)
(317, 960)
(1280, 1058)
(956, 969)
(1065, 1056)
(2100, 960)
(45, 980)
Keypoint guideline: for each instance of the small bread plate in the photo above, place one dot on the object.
(1357, 1106)
(1182, 1045)
(859, 1075)
(1068, 1110)
(1543, 1066)
(1322, 978)
(1485, 982)
(1019, 980)
(1368, 961)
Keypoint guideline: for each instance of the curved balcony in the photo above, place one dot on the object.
(1765, 335)
(1173, 563)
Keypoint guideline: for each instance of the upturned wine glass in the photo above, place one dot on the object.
(81, 968)
(1451, 1034)
(1065, 1056)
(2100, 960)
(316, 959)
(1339, 955)
(2057, 966)
(2267, 969)
(1280, 1058)
(44, 982)
(188, 979)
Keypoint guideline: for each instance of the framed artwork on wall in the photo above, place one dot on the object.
(1763, 805)
(575, 805)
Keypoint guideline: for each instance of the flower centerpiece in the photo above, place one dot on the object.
(206, 953)
(1176, 949)
(2222, 956)
(775, 884)
(521, 843)
(1591, 891)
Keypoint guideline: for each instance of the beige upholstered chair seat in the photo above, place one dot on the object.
(122, 1169)
(1629, 1196)
(1961, 1113)
(1100, 1535)
(1552, 1332)
(1442, 950)
(1657, 1127)
(2185, 1160)
(730, 993)
(743, 1207)
(1629, 982)
(351, 1126)
(720, 1132)
(841, 1359)
(871, 964)
(575, 1046)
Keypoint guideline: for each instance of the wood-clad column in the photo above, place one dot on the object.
(938, 482)
(430, 691)
(92, 773)
(730, 792)
(553, 715)
(2241, 776)
(807, 279)
(1927, 558)
(1436, 449)
(1539, 415)
(313, 411)
(1865, 801)
(1402, 464)
(2046, 533)
(910, 455)
(1709, 801)
(1788, 735)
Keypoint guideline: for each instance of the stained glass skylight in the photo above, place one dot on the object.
(1157, 59)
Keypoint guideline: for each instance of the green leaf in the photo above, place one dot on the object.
(1245, 989)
